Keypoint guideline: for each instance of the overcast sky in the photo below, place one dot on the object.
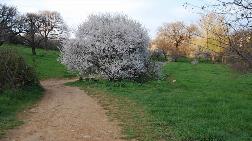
(151, 13)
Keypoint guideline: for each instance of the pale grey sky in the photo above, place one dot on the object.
(151, 13)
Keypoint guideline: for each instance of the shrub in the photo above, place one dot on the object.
(108, 46)
(154, 71)
(14, 72)
(158, 55)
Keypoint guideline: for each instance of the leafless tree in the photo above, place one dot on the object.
(238, 13)
(238, 19)
(31, 28)
(52, 26)
(174, 38)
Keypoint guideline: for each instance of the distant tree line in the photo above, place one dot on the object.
(223, 34)
(44, 29)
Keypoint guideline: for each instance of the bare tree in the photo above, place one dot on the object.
(238, 13)
(174, 38)
(31, 28)
(52, 26)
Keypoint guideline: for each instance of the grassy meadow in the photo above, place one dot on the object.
(203, 102)
(45, 62)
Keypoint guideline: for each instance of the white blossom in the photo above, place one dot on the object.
(108, 46)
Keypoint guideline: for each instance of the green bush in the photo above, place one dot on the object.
(154, 72)
(14, 72)
(158, 55)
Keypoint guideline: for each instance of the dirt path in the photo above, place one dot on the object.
(65, 114)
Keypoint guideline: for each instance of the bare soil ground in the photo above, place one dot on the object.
(65, 114)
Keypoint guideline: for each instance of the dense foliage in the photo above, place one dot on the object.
(108, 46)
(14, 72)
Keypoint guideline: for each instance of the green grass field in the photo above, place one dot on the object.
(45, 63)
(208, 102)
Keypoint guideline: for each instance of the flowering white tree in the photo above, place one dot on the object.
(108, 46)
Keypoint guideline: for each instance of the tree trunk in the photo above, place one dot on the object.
(33, 44)
(33, 50)
(46, 47)
(213, 57)
(224, 59)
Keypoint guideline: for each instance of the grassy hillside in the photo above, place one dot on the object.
(206, 102)
(45, 63)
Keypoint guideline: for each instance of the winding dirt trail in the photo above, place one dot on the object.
(65, 114)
